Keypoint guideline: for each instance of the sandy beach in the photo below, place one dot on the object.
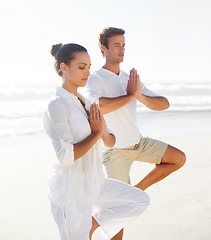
(180, 206)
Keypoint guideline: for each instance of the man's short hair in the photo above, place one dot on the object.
(106, 33)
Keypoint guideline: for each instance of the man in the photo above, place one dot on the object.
(117, 94)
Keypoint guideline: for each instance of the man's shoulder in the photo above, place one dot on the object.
(97, 74)
(104, 73)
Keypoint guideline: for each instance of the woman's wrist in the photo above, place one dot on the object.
(97, 134)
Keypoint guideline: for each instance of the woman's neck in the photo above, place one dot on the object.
(70, 87)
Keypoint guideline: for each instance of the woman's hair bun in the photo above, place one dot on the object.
(55, 48)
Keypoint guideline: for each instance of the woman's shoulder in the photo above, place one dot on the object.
(56, 105)
(55, 101)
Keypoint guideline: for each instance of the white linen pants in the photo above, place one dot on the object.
(118, 203)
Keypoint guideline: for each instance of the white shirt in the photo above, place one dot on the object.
(122, 122)
(66, 123)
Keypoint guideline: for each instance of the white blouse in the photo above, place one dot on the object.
(66, 123)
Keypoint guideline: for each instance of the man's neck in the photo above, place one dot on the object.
(112, 68)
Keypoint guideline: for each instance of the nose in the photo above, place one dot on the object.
(87, 73)
(122, 48)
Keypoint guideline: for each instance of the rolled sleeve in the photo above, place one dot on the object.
(66, 153)
(60, 131)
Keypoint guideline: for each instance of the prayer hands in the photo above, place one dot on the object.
(134, 85)
(96, 120)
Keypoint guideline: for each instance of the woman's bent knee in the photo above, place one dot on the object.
(143, 201)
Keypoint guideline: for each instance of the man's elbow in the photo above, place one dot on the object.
(110, 141)
(166, 104)
(163, 105)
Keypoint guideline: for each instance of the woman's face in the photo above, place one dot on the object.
(77, 72)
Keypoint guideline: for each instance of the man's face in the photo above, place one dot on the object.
(116, 49)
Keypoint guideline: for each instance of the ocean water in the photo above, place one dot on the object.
(21, 109)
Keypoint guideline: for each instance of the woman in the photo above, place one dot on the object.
(77, 183)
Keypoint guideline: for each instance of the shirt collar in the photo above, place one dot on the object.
(111, 73)
(61, 92)
(64, 93)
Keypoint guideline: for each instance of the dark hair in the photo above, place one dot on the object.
(65, 54)
(108, 32)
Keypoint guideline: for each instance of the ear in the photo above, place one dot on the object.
(63, 67)
(103, 48)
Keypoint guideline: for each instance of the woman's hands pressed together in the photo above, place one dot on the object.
(98, 126)
(96, 120)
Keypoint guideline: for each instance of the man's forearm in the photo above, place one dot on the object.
(154, 103)
(108, 105)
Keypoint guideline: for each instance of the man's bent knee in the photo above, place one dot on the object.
(175, 157)
(181, 160)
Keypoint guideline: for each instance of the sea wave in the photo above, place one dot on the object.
(21, 109)
(15, 133)
(183, 89)
(11, 94)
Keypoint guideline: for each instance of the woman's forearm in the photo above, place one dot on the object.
(83, 147)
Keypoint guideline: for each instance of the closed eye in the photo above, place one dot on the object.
(84, 65)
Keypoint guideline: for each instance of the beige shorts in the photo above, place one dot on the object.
(118, 162)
